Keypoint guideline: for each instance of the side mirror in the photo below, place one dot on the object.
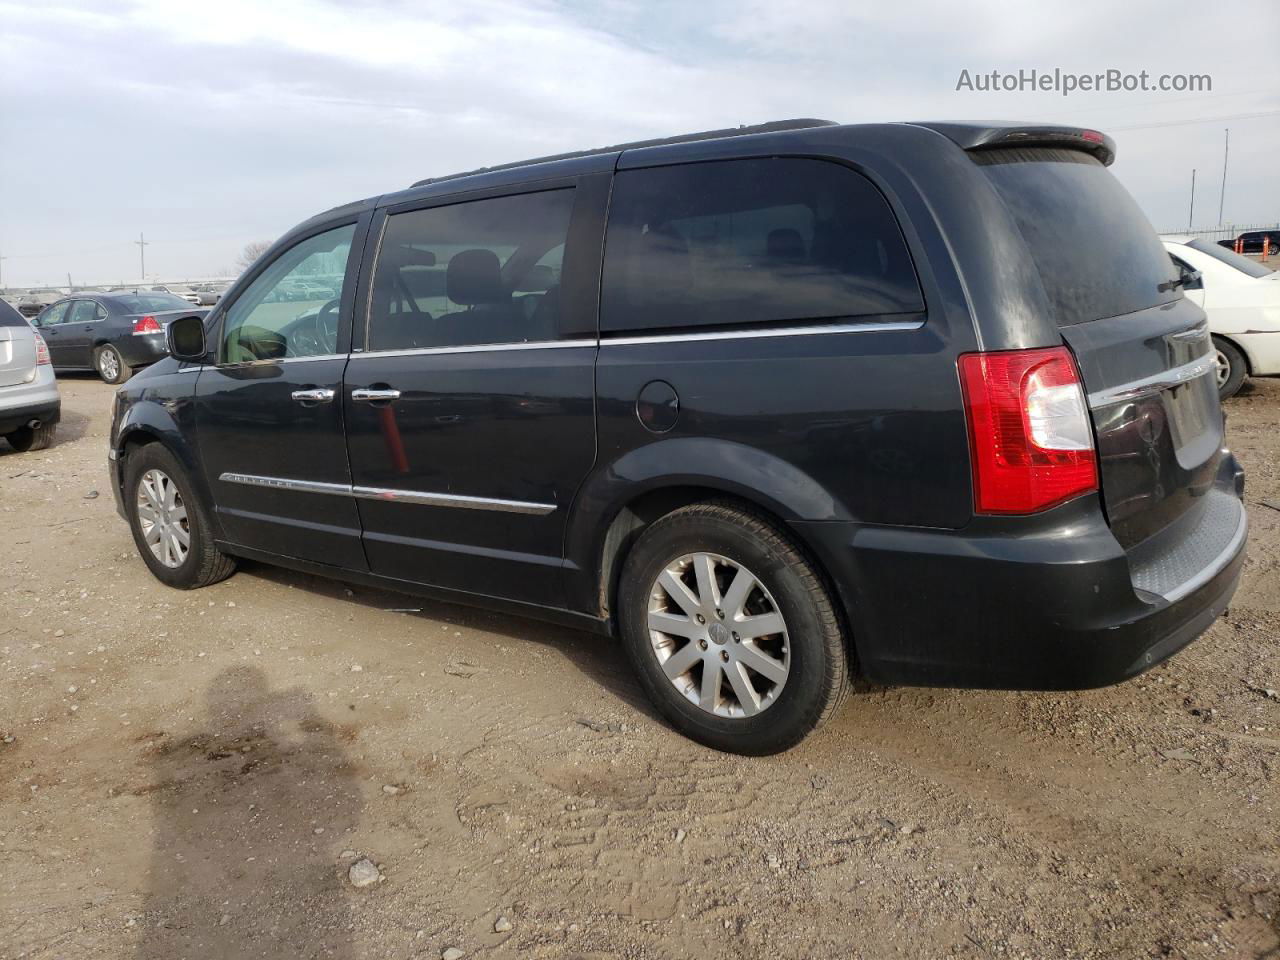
(185, 339)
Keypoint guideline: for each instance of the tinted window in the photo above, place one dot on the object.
(291, 308)
(1096, 253)
(9, 317)
(487, 271)
(751, 241)
(1229, 257)
(152, 303)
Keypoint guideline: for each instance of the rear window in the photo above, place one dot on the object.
(1096, 253)
(9, 317)
(751, 241)
(1232, 259)
(153, 303)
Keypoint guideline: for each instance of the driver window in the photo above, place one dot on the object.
(291, 309)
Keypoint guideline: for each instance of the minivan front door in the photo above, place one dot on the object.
(269, 411)
(470, 414)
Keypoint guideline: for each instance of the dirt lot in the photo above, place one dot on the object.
(193, 774)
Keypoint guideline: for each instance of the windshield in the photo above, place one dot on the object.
(153, 303)
(1096, 254)
(1232, 259)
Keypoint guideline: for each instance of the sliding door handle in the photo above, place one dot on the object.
(367, 395)
(317, 395)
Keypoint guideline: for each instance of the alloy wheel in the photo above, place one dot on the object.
(108, 364)
(1224, 369)
(162, 517)
(718, 634)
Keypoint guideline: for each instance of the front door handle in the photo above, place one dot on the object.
(317, 395)
(373, 396)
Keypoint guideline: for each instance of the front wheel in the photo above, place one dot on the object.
(1232, 368)
(110, 364)
(731, 630)
(170, 526)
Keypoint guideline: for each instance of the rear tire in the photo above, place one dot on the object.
(756, 705)
(1232, 368)
(202, 564)
(33, 438)
(110, 364)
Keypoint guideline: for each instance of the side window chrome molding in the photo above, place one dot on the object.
(391, 496)
(811, 330)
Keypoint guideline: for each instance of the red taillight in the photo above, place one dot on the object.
(1093, 136)
(1030, 441)
(146, 324)
(42, 351)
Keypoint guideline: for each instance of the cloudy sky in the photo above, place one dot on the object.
(211, 123)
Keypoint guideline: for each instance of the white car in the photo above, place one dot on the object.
(29, 403)
(1242, 300)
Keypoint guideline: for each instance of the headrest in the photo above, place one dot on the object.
(785, 244)
(475, 276)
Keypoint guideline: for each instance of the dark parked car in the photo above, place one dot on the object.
(33, 302)
(112, 333)
(1252, 241)
(775, 406)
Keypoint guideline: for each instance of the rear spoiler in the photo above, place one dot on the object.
(970, 136)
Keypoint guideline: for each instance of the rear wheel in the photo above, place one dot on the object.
(731, 631)
(32, 438)
(170, 525)
(1232, 368)
(110, 364)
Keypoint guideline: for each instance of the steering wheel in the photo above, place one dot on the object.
(316, 335)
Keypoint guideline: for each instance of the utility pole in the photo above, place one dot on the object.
(1226, 145)
(2, 260)
(71, 287)
(142, 255)
(1191, 214)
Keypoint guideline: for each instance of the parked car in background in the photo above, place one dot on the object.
(806, 400)
(1242, 300)
(210, 293)
(29, 403)
(1252, 241)
(111, 333)
(34, 301)
(178, 290)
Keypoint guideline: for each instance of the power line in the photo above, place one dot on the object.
(1179, 123)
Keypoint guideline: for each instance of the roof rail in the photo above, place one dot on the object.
(773, 126)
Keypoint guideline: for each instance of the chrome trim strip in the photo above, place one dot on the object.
(480, 348)
(259, 363)
(1220, 561)
(452, 500)
(281, 483)
(806, 331)
(393, 496)
(1161, 381)
(1198, 332)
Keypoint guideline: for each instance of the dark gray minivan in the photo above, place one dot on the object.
(776, 406)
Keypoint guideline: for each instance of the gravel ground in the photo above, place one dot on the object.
(202, 774)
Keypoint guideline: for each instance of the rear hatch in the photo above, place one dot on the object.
(17, 348)
(1144, 353)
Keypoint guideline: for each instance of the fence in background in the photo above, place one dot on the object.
(1228, 232)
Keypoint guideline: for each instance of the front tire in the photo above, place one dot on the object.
(32, 438)
(731, 630)
(110, 365)
(170, 525)
(1232, 368)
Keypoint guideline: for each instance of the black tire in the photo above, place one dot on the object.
(117, 371)
(819, 674)
(29, 438)
(204, 563)
(1237, 367)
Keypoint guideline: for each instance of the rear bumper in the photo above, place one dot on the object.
(15, 417)
(143, 349)
(1045, 603)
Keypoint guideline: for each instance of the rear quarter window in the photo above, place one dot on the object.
(9, 317)
(1096, 254)
(742, 242)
